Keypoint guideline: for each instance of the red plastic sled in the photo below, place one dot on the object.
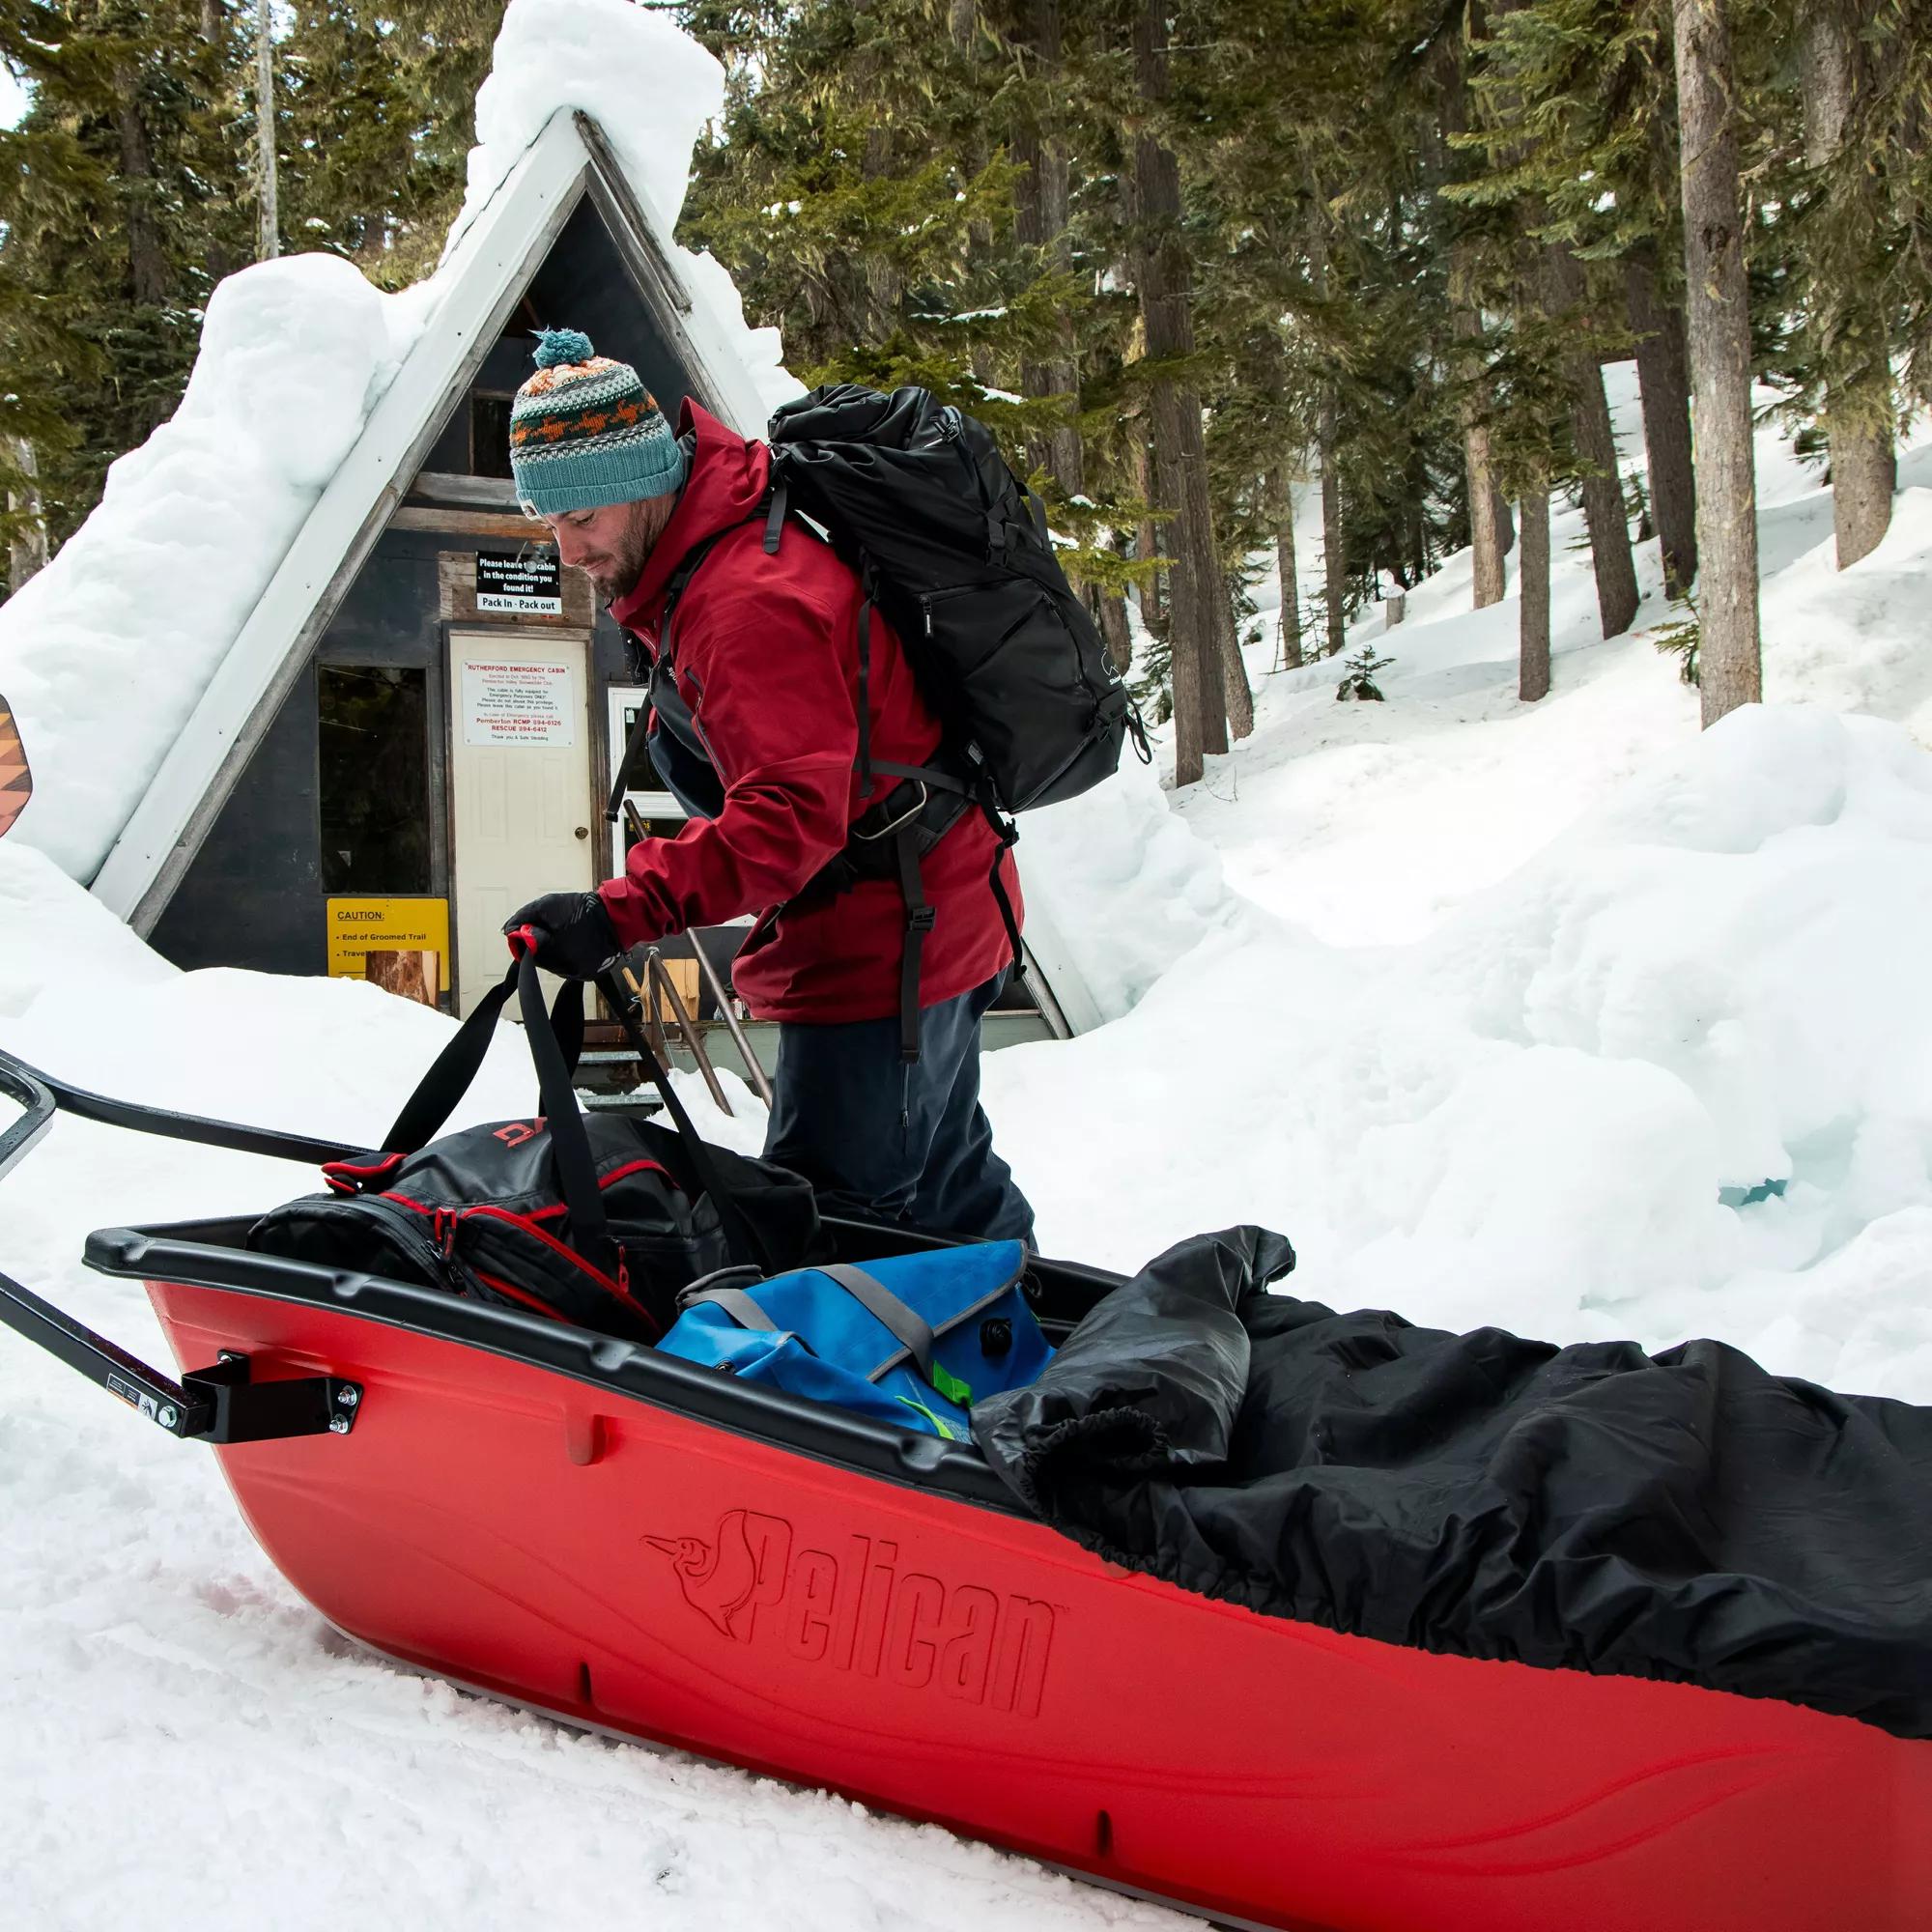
(630, 1542)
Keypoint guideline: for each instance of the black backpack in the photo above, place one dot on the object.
(954, 547)
(596, 1220)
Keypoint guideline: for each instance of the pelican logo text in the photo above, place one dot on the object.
(519, 1131)
(857, 1610)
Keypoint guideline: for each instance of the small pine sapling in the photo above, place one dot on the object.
(1360, 682)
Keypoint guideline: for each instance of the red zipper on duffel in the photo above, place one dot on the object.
(447, 1218)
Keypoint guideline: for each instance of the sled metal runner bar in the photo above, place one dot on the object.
(730, 1019)
(32, 1088)
(221, 1404)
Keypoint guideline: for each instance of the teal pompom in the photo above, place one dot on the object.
(563, 345)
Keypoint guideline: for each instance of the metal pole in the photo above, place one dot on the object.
(658, 976)
(715, 981)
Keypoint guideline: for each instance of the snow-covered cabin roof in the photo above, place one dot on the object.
(144, 664)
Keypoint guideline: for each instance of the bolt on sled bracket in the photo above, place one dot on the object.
(239, 1410)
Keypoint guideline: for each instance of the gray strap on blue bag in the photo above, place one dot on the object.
(738, 1305)
(909, 1328)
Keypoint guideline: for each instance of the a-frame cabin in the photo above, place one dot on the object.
(417, 727)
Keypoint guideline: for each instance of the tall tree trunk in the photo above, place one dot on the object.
(1596, 446)
(1110, 612)
(1533, 613)
(1858, 406)
(1147, 538)
(28, 551)
(267, 223)
(1664, 377)
(1486, 536)
(1717, 316)
(146, 267)
(1239, 698)
(1334, 561)
(1281, 494)
(1041, 194)
(1162, 274)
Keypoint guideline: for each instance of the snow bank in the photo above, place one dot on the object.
(652, 90)
(1714, 980)
(1132, 889)
(104, 656)
(52, 934)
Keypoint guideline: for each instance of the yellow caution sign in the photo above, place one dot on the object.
(385, 939)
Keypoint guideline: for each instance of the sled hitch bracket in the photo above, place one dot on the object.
(221, 1404)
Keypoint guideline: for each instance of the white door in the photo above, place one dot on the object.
(520, 788)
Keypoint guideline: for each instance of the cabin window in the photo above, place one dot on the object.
(490, 436)
(374, 778)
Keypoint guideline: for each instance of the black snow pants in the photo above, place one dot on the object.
(881, 1140)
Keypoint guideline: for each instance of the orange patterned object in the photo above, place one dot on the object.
(16, 781)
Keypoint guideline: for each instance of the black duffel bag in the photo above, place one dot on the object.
(596, 1220)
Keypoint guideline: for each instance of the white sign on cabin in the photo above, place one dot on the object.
(529, 586)
(513, 701)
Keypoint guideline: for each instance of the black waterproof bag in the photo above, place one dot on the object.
(953, 546)
(597, 1220)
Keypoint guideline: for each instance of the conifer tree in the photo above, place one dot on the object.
(117, 203)
(1718, 314)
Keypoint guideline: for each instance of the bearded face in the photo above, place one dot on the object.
(612, 544)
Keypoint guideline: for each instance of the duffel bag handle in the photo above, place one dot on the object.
(741, 1238)
(555, 1041)
(426, 1111)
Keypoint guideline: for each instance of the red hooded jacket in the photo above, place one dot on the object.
(765, 651)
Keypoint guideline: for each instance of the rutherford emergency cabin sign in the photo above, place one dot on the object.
(519, 586)
(513, 700)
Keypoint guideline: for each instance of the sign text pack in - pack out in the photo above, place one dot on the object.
(531, 585)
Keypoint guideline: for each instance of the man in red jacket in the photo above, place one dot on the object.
(756, 702)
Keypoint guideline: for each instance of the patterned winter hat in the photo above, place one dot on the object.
(584, 432)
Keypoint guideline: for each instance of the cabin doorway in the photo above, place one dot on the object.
(521, 809)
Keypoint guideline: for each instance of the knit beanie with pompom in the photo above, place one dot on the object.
(584, 432)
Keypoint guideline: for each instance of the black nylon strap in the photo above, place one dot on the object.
(930, 774)
(457, 1066)
(866, 696)
(1008, 834)
(569, 1144)
(634, 753)
(774, 517)
(449, 1075)
(741, 1239)
(919, 922)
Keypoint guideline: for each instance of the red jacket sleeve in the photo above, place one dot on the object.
(761, 667)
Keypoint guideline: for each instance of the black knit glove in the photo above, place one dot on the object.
(570, 933)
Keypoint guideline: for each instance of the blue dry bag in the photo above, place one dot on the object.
(915, 1340)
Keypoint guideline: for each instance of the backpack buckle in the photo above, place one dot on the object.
(905, 818)
(920, 918)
